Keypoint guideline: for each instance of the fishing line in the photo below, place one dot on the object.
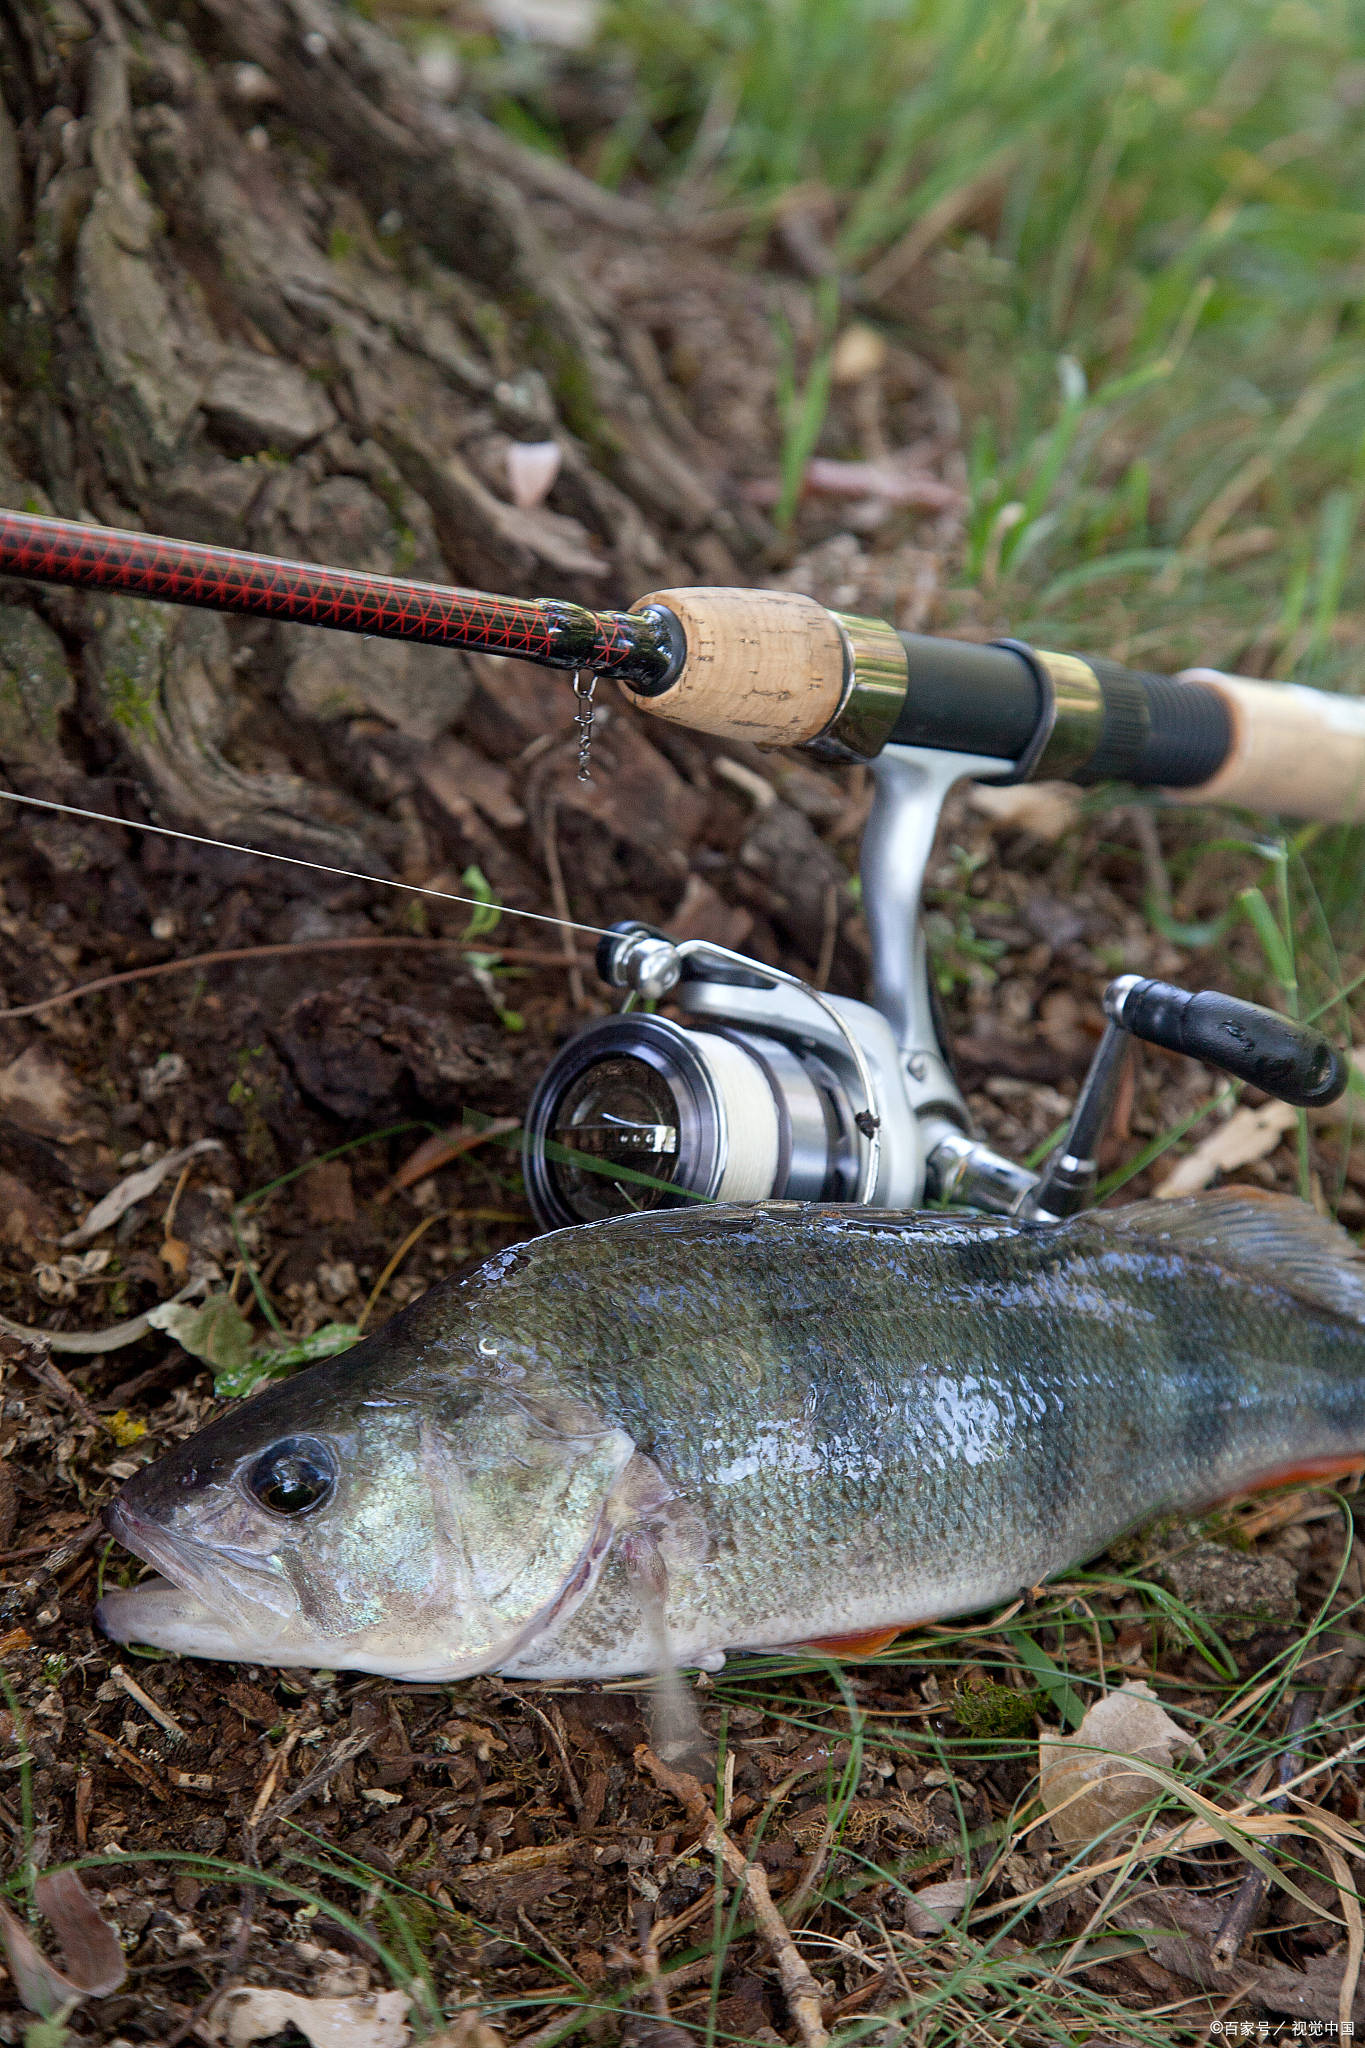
(294, 860)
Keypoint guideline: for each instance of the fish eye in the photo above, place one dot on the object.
(294, 1475)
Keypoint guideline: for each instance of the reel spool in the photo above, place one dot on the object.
(769, 1090)
(717, 1115)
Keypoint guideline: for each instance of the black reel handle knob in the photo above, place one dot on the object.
(1273, 1053)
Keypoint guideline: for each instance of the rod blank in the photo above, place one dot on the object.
(348, 600)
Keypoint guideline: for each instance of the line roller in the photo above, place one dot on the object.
(778, 669)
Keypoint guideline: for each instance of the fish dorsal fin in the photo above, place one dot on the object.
(1274, 1237)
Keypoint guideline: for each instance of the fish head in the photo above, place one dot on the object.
(423, 1522)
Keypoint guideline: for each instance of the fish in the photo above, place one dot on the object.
(661, 1439)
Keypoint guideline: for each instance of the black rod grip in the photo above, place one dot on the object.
(1078, 716)
(1273, 1053)
(1158, 732)
(968, 698)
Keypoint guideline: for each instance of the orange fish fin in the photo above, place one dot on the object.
(865, 1644)
(1308, 1471)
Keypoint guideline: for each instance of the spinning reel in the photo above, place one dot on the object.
(763, 1088)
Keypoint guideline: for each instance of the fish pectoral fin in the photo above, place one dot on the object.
(1277, 1237)
(862, 1643)
(675, 1725)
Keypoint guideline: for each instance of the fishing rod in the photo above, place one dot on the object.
(765, 1086)
(778, 669)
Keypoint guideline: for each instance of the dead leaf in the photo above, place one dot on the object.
(215, 1331)
(560, 24)
(328, 1193)
(894, 481)
(1248, 1135)
(468, 2029)
(1083, 1782)
(929, 1911)
(458, 777)
(703, 913)
(175, 1256)
(25, 1220)
(58, 1281)
(1044, 809)
(443, 1146)
(93, 1958)
(255, 2012)
(38, 1094)
(1178, 1928)
(532, 467)
(136, 1188)
(1313, 1993)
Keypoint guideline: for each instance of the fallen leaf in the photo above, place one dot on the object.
(457, 777)
(532, 467)
(1178, 1928)
(560, 24)
(59, 1281)
(468, 2029)
(930, 1910)
(25, 1220)
(136, 1188)
(1044, 809)
(1083, 1781)
(894, 482)
(215, 1331)
(438, 1151)
(93, 1958)
(175, 1256)
(328, 1193)
(255, 2012)
(1248, 1135)
(37, 1093)
(1312, 1993)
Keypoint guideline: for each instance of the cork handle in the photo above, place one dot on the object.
(1294, 750)
(762, 665)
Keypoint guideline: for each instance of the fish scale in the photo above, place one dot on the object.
(809, 1422)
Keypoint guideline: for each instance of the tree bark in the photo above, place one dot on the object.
(263, 288)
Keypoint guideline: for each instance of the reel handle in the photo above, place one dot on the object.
(1273, 1053)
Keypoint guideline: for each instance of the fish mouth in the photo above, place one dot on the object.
(208, 1601)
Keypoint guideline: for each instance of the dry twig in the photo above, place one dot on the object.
(1237, 1921)
(524, 956)
(658, 1997)
(799, 1987)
